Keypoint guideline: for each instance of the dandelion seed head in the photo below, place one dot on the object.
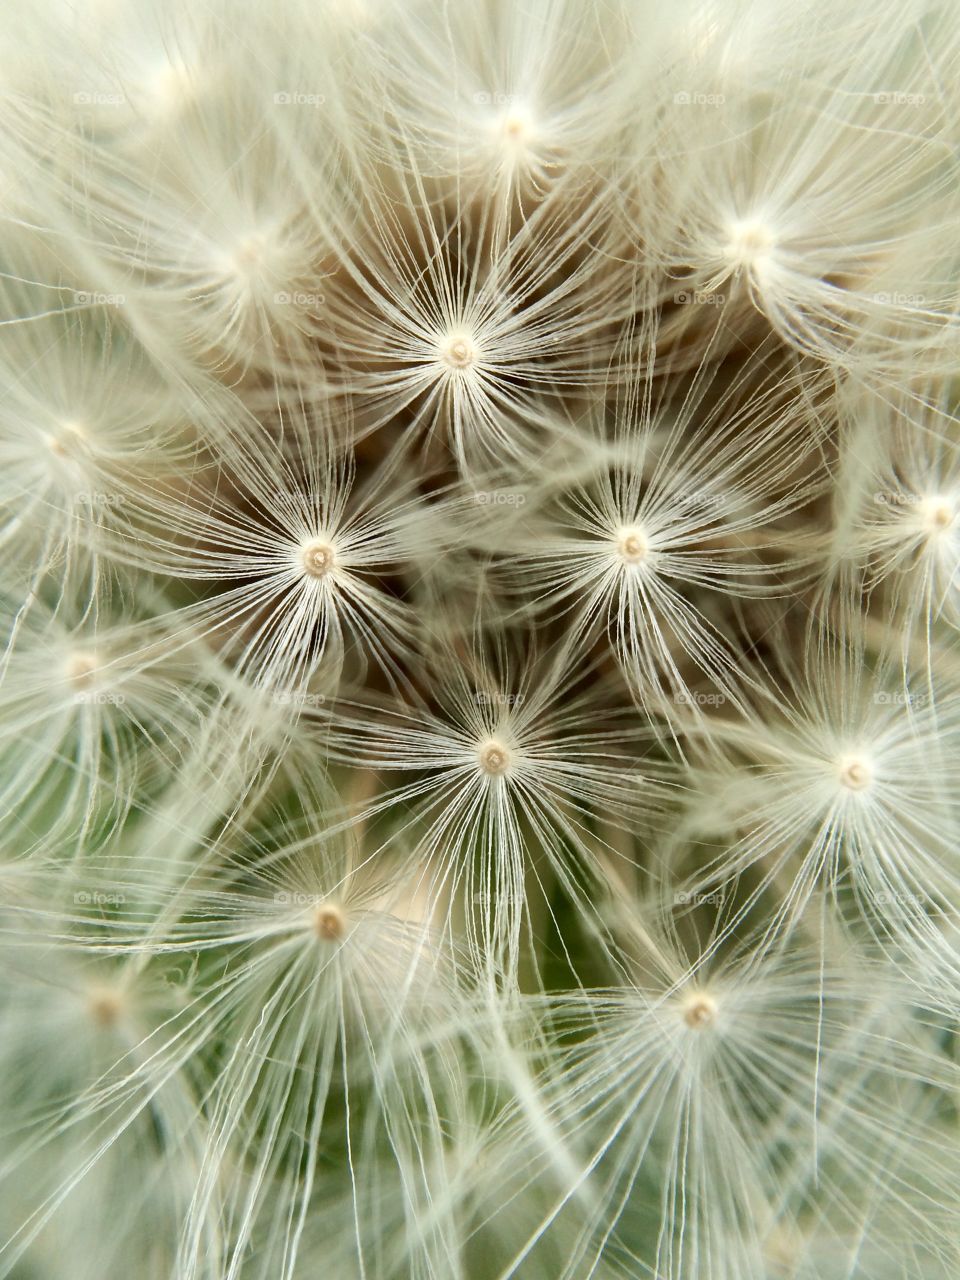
(318, 558)
(510, 510)
(494, 758)
(699, 1010)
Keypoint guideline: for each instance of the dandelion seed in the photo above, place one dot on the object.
(83, 708)
(487, 770)
(827, 209)
(651, 1075)
(296, 554)
(843, 793)
(895, 520)
(635, 541)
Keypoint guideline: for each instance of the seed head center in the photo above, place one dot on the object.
(750, 243)
(459, 351)
(699, 1011)
(249, 254)
(516, 127)
(329, 922)
(318, 558)
(494, 758)
(169, 86)
(81, 669)
(105, 1006)
(66, 443)
(938, 515)
(632, 545)
(856, 773)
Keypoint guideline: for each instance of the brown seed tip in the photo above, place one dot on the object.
(329, 922)
(105, 1005)
(938, 515)
(318, 558)
(516, 127)
(249, 254)
(750, 243)
(699, 1011)
(459, 351)
(71, 434)
(632, 545)
(855, 773)
(494, 758)
(81, 669)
